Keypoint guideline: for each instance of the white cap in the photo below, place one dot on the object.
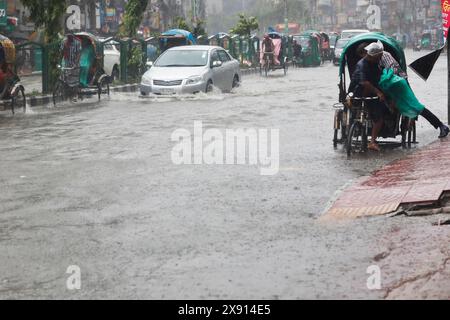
(375, 48)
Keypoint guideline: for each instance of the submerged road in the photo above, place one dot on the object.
(93, 185)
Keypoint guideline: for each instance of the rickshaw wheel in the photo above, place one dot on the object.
(353, 139)
(338, 123)
(266, 70)
(59, 92)
(103, 87)
(18, 100)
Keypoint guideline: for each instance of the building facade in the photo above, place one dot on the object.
(103, 17)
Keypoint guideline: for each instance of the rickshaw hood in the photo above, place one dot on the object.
(388, 42)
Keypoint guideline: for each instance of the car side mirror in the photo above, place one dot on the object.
(217, 64)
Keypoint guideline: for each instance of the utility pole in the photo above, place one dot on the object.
(448, 82)
(286, 18)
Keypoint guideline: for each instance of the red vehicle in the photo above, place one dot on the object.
(11, 91)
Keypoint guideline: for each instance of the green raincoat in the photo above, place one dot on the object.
(398, 90)
(86, 62)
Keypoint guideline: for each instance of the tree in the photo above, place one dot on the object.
(180, 23)
(47, 14)
(245, 25)
(199, 29)
(134, 13)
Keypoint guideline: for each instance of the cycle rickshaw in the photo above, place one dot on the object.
(310, 55)
(352, 124)
(277, 60)
(176, 38)
(326, 52)
(12, 93)
(81, 69)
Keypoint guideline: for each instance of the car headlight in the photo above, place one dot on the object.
(194, 80)
(146, 81)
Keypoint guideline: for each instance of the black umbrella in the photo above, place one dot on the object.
(424, 66)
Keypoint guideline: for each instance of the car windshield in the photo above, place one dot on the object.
(303, 41)
(183, 58)
(341, 43)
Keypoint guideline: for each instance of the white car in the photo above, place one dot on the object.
(190, 70)
(112, 59)
(346, 34)
(340, 45)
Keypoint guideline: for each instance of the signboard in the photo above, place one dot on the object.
(73, 21)
(374, 19)
(445, 16)
(3, 15)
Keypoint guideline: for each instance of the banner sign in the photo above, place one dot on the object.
(445, 16)
(3, 15)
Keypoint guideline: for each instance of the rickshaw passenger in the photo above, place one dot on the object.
(404, 98)
(71, 49)
(365, 83)
(86, 62)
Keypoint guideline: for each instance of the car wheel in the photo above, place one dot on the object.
(209, 86)
(236, 82)
(115, 73)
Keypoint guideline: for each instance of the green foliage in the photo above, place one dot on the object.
(134, 13)
(199, 30)
(245, 25)
(136, 66)
(180, 23)
(48, 16)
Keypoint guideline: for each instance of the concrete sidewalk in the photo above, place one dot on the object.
(420, 178)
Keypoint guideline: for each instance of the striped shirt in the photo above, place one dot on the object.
(71, 52)
(388, 62)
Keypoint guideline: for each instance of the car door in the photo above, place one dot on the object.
(227, 69)
(218, 75)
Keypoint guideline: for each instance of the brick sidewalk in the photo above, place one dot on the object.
(420, 178)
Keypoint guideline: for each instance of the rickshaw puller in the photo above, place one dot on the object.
(269, 47)
(365, 80)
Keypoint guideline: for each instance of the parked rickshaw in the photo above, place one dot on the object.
(176, 38)
(277, 60)
(310, 50)
(352, 124)
(11, 91)
(81, 68)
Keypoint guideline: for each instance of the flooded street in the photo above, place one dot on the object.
(93, 185)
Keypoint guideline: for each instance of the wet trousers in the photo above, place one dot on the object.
(431, 118)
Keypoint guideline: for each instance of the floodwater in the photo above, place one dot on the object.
(93, 185)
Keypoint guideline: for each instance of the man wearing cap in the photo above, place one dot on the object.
(365, 83)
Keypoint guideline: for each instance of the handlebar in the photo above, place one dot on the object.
(68, 69)
(365, 98)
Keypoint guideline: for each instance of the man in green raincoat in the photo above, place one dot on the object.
(86, 62)
(395, 86)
